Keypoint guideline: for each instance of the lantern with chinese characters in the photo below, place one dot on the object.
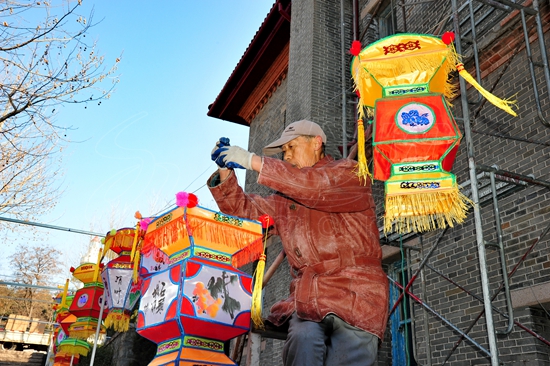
(121, 292)
(200, 301)
(87, 302)
(405, 79)
(152, 261)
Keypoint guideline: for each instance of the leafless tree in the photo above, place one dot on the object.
(46, 61)
(35, 266)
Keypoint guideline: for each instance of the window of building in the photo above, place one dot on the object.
(386, 21)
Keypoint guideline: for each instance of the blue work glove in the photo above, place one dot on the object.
(236, 157)
(221, 145)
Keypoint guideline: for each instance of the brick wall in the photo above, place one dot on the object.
(516, 144)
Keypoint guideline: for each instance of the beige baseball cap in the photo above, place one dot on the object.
(293, 130)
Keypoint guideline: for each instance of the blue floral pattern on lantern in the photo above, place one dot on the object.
(82, 300)
(415, 118)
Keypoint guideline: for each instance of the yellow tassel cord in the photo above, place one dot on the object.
(135, 254)
(63, 303)
(135, 268)
(119, 321)
(504, 104)
(256, 307)
(361, 169)
(96, 267)
(425, 211)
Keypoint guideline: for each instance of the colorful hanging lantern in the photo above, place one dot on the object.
(200, 301)
(73, 346)
(405, 79)
(87, 302)
(64, 359)
(121, 292)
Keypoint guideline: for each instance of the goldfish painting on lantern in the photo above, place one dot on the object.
(214, 290)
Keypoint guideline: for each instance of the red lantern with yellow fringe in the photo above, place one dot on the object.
(87, 302)
(201, 300)
(403, 82)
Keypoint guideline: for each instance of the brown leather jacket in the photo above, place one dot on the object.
(326, 220)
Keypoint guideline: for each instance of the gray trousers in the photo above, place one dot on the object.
(331, 342)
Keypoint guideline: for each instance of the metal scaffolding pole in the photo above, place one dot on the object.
(475, 198)
(48, 226)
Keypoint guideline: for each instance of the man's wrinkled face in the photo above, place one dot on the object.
(301, 152)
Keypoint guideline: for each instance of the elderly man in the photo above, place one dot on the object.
(326, 220)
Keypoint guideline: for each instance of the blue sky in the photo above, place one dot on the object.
(152, 138)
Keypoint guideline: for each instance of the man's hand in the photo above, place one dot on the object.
(236, 157)
(221, 145)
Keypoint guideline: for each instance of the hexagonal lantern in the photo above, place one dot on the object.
(200, 301)
(121, 293)
(87, 302)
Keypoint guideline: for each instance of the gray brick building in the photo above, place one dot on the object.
(472, 302)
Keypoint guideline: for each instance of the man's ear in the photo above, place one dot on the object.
(318, 143)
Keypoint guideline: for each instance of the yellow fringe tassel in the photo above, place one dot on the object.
(248, 254)
(84, 333)
(362, 169)
(425, 211)
(256, 307)
(135, 254)
(227, 235)
(120, 322)
(135, 268)
(212, 232)
(74, 350)
(134, 243)
(503, 104)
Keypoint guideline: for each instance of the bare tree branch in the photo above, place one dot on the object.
(45, 60)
